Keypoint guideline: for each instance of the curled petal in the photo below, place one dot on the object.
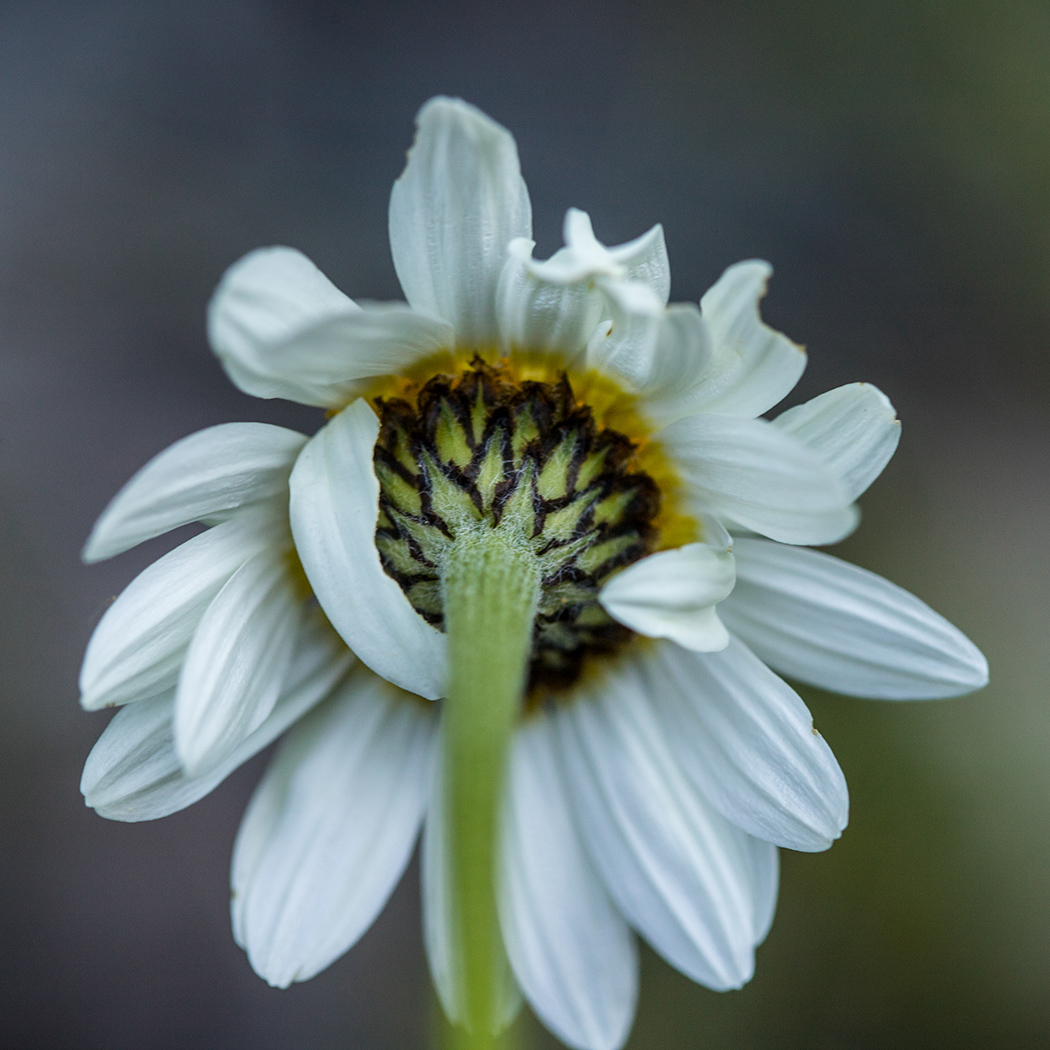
(584, 258)
(334, 508)
(558, 303)
(672, 594)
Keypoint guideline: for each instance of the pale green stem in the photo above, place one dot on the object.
(491, 587)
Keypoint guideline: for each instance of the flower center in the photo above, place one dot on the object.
(483, 449)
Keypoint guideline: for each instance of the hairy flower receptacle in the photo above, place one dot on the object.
(482, 451)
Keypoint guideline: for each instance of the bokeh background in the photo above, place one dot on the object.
(892, 159)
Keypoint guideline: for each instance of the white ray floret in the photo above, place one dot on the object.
(570, 947)
(330, 829)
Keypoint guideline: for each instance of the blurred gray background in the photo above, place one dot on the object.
(891, 159)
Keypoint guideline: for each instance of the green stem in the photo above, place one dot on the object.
(491, 587)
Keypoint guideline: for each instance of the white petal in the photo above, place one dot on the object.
(446, 967)
(681, 362)
(133, 772)
(334, 507)
(200, 478)
(330, 363)
(677, 869)
(269, 296)
(764, 479)
(138, 646)
(540, 314)
(439, 938)
(457, 205)
(672, 594)
(235, 665)
(281, 329)
(624, 347)
(853, 428)
(645, 261)
(747, 741)
(572, 952)
(824, 621)
(753, 367)
(330, 829)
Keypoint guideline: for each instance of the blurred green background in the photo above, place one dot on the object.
(892, 160)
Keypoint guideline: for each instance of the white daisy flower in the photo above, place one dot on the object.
(610, 449)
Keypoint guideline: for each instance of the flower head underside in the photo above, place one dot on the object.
(618, 447)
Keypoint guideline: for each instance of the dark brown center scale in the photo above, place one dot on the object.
(481, 450)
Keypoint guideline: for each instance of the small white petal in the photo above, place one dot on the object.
(765, 877)
(235, 665)
(753, 367)
(458, 204)
(439, 937)
(713, 532)
(133, 772)
(281, 329)
(672, 594)
(557, 303)
(138, 646)
(839, 627)
(330, 829)
(583, 258)
(642, 261)
(678, 870)
(334, 508)
(760, 477)
(747, 741)
(200, 478)
(572, 952)
(853, 428)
